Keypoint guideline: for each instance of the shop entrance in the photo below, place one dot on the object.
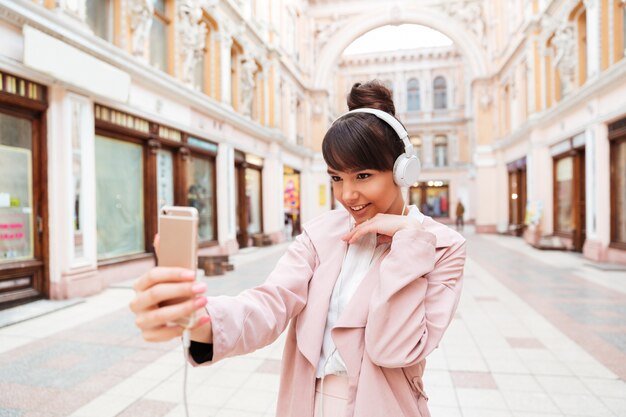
(23, 275)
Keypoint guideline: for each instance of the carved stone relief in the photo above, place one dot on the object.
(471, 14)
(141, 14)
(565, 43)
(192, 32)
(248, 70)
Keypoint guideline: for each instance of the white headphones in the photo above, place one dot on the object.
(407, 167)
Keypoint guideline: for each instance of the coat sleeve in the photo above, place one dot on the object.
(415, 300)
(257, 316)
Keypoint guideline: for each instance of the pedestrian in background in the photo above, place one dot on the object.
(367, 292)
(460, 212)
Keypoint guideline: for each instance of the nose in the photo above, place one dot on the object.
(349, 192)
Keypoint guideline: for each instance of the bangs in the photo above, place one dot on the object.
(359, 144)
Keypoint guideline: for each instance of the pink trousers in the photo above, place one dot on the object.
(334, 398)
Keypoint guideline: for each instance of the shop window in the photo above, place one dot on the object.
(119, 198)
(160, 36)
(200, 195)
(432, 198)
(441, 151)
(100, 17)
(413, 95)
(440, 90)
(564, 192)
(253, 200)
(16, 189)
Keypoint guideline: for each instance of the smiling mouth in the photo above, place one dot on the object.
(359, 208)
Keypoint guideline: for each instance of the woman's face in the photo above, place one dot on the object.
(365, 193)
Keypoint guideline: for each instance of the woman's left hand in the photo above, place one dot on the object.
(384, 225)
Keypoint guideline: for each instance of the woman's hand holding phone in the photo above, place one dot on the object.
(166, 295)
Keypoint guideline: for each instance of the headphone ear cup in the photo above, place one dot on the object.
(406, 170)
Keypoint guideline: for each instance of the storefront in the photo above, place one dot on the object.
(617, 138)
(23, 191)
(569, 192)
(291, 192)
(249, 197)
(432, 197)
(517, 196)
(141, 166)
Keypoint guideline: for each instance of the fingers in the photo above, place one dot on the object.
(157, 318)
(162, 334)
(163, 274)
(163, 292)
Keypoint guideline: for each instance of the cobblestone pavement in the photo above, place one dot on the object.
(537, 334)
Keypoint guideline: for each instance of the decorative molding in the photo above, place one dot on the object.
(471, 14)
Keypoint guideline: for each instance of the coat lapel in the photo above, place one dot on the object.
(331, 251)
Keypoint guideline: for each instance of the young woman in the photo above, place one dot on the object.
(367, 292)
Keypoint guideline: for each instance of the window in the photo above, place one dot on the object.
(253, 200)
(159, 36)
(200, 195)
(564, 194)
(441, 151)
(413, 95)
(207, 66)
(119, 198)
(100, 18)
(16, 189)
(440, 93)
(432, 198)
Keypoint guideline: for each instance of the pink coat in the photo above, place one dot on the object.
(396, 318)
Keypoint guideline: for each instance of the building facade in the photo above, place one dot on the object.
(111, 108)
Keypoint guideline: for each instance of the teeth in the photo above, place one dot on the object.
(358, 208)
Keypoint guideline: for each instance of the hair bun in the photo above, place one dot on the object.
(372, 94)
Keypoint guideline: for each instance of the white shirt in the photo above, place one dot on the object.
(360, 257)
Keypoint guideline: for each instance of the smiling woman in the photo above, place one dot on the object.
(355, 288)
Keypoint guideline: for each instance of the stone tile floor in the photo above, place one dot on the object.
(537, 334)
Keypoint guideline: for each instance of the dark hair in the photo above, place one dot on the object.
(361, 140)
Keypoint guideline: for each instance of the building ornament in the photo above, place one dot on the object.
(565, 59)
(141, 14)
(192, 31)
(248, 72)
(471, 14)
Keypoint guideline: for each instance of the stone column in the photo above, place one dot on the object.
(593, 37)
(226, 189)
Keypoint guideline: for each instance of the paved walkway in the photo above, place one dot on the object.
(538, 334)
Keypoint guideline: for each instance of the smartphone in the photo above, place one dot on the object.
(178, 243)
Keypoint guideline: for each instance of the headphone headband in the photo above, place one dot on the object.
(391, 121)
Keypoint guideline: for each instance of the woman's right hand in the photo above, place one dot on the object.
(166, 295)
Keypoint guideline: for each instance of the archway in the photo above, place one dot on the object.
(356, 26)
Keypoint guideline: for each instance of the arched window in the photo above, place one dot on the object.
(440, 93)
(413, 95)
(441, 151)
